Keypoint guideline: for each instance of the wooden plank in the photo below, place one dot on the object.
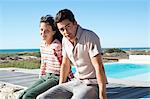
(114, 91)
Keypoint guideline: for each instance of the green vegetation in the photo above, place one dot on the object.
(20, 63)
(37, 54)
(27, 64)
(112, 50)
(7, 55)
(142, 52)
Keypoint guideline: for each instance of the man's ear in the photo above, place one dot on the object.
(75, 22)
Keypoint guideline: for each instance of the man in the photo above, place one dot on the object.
(82, 48)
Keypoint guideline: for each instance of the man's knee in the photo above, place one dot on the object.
(88, 94)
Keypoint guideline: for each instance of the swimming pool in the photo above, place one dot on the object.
(124, 70)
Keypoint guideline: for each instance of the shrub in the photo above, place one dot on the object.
(37, 54)
(27, 64)
(112, 50)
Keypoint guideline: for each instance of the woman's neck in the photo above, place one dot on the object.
(48, 42)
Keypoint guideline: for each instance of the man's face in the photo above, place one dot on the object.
(67, 29)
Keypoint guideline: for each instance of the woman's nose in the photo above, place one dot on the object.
(43, 32)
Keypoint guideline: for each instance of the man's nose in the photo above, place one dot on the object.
(66, 32)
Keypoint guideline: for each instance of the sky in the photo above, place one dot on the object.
(118, 23)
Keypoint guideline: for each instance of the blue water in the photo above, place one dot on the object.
(73, 69)
(18, 50)
(128, 49)
(123, 70)
(37, 50)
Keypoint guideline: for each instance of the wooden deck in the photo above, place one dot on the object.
(114, 91)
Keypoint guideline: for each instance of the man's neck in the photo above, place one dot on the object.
(74, 41)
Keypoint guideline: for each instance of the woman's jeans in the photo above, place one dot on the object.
(40, 86)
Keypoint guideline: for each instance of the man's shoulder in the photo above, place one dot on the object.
(89, 34)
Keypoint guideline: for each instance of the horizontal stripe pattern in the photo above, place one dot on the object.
(50, 57)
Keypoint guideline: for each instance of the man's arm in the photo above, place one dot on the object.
(64, 70)
(100, 75)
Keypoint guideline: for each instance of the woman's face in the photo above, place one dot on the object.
(46, 31)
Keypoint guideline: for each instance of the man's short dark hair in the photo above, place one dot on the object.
(64, 14)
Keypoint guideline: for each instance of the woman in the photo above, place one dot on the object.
(51, 58)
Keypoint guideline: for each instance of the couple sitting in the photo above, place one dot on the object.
(79, 46)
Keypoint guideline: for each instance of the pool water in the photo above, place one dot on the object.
(73, 69)
(124, 70)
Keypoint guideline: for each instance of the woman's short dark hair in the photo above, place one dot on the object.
(50, 20)
(64, 14)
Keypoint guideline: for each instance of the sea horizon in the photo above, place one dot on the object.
(37, 49)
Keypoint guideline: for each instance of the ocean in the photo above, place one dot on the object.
(37, 50)
(134, 48)
(18, 50)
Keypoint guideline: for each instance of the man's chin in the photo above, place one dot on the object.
(69, 38)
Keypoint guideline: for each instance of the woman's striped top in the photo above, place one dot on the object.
(51, 57)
